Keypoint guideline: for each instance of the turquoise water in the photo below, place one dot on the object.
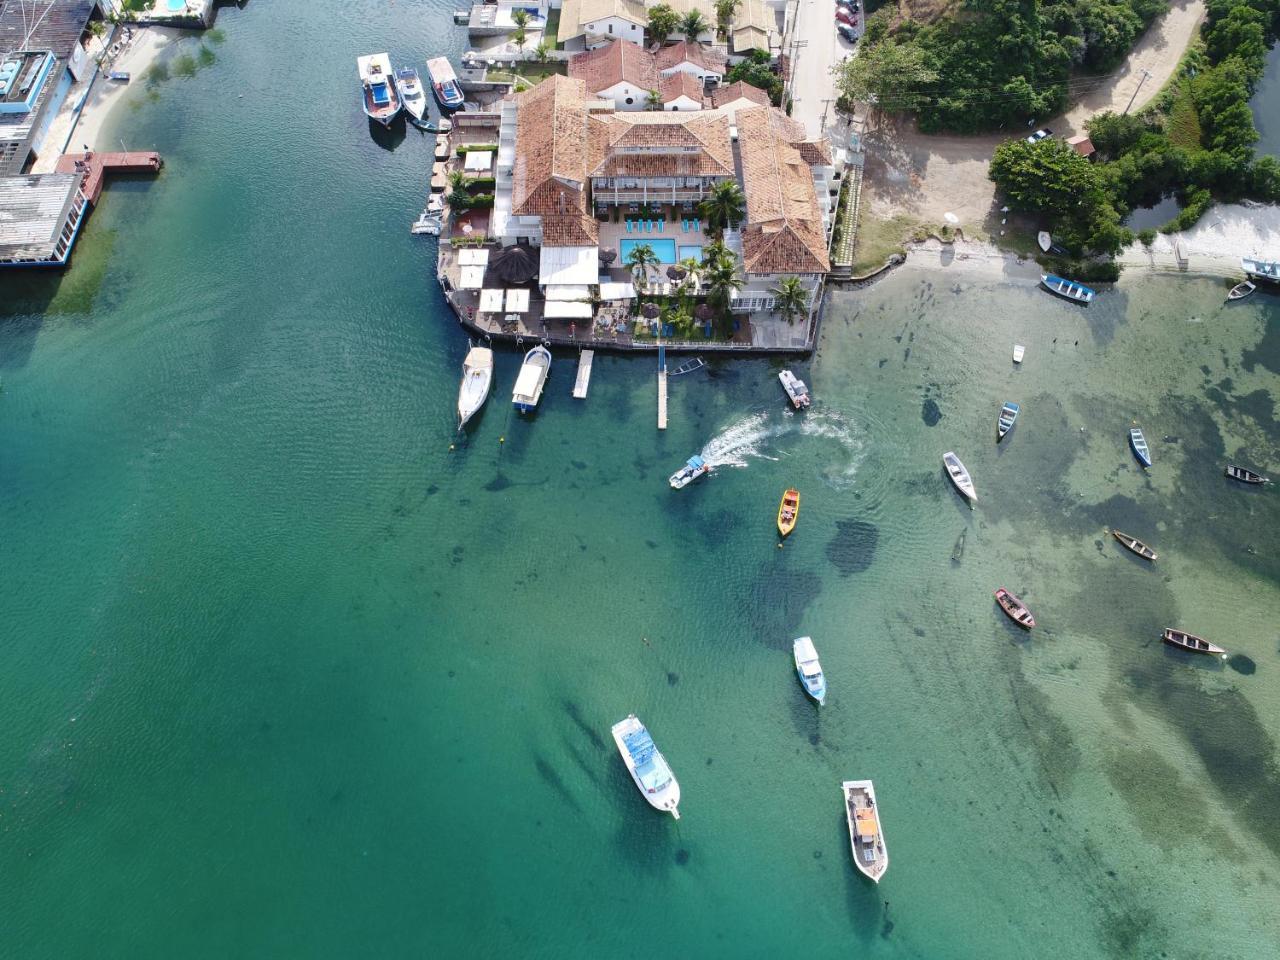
(691, 250)
(177, 5)
(665, 250)
(292, 670)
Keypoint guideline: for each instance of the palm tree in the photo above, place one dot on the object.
(693, 25)
(654, 100)
(725, 9)
(520, 17)
(518, 36)
(541, 51)
(692, 268)
(640, 259)
(723, 277)
(724, 206)
(790, 298)
(459, 199)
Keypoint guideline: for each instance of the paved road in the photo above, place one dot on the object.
(812, 83)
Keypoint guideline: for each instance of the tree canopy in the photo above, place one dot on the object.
(663, 22)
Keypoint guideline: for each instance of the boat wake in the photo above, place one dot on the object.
(742, 441)
(770, 435)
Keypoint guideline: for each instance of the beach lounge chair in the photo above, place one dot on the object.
(661, 224)
(684, 226)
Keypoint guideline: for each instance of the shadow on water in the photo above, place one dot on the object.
(388, 137)
(551, 777)
(868, 914)
(586, 729)
(780, 598)
(647, 838)
(853, 548)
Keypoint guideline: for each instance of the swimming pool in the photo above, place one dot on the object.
(688, 250)
(177, 6)
(665, 248)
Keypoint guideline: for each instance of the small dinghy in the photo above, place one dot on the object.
(870, 855)
(1067, 289)
(1008, 417)
(959, 476)
(1015, 608)
(1139, 444)
(1189, 641)
(809, 669)
(1134, 544)
(1242, 290)
(1044, 240)
(796, 390)
(788, 511)
(1245, 476)
(1018, 352)
(693, 468)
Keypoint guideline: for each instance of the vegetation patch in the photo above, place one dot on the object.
(1184, 121)
(878, 240)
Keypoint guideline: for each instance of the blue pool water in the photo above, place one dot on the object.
(665, 249)
(177, 6)
(688, 250)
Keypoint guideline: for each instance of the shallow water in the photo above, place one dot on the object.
(291, 673)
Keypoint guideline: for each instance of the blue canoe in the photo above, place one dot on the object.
(1069, 289)
(1140, 448)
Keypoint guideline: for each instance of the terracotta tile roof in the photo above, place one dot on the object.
(633, 10)
(660, 145)
(549, 176)
(682, 84)
(722, 96)
(677, 53)
(575, 230)
(614, 63)
(783, 230)
(754, 22)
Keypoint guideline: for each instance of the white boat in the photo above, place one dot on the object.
(444, 83)
(533, 375)
(870, 855)
(647, 766)
(809, 669)
(431, 218)
(409, 86)
(477, 377)
(959, 475)
(693, 468)
(1044, 240)
(1018, 352)
(1261, 269)
(381, 102)
(1242, 290)
(795, 388)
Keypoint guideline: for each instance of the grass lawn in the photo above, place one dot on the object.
(552, 28)
(1184, 123)
(878, 240)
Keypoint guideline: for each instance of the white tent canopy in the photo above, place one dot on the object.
(568, 291)
(517, 301)
(617, 291)
(568, 265)
(472, 278)
(567, 309)
(478, 161)
(473, 256)
(490, 301)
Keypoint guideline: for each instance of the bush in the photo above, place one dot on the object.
(1147, 236)
(477, 148)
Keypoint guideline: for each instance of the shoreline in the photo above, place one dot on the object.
(105, 96)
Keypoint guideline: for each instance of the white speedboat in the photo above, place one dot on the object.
(870, 855)
(409, 86)
(533, 375)
(795, 388)
(381, 102)
(477, 376)
(693, 468)
(647, 766)
(809, 669)
(959, 475)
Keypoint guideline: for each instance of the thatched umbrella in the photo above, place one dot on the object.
(651, 310)
(676, 273)
(608, 255)
(514, 265)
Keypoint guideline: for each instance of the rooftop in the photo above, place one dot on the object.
(50, 25)
(614, 63)
(576, 14)
(33, 211)
(660, 145)
(675, 54)
(681, 84)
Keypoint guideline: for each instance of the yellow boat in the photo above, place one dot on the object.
(788, 510)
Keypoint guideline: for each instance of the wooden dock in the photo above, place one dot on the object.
(662, 388)
(583, 380)
(96, 165)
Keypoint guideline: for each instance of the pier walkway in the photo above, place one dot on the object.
(583, 380)
(96, 165)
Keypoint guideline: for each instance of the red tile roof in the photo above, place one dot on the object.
(669, 58)
(614, 63)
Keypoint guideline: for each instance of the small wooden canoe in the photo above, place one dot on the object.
(1134, 544)
(1008, 417)
(1139, 444)
(1245, 476)
(788, 511)
(1015, 608)
(1189, 641)
(959, 475)
(1242, 290)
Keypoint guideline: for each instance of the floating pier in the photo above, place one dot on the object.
(95, 166)
(583, 379)
(662, 387)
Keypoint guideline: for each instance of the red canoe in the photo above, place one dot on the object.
(1015, 608)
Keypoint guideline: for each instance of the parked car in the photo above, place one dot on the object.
(1040, 135)
(847, 32)
(844, 16)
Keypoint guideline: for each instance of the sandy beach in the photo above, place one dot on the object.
(141, 51)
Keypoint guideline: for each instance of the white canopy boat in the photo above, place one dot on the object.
(477, 377)
(533, 375)
(647, 766)
(870, 855)
(381, 102)
(796, 390)
(809, 669)
(959, 475)
(693, 468)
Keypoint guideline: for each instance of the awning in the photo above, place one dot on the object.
(560, 265)
(517, 301)
(473, 256)
(478, 161)
(490, 301)
(567, 309)
(568, 291)
(617, 291)
(472, 278)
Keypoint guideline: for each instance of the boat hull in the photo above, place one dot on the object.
(477, 380)
(959, 476)
(532, 378)
(870, 852)
(1005, 421)
(1245, 476)
(1015, 609)
(1067, 289)
(1138, 444)
(788, 512)
(815, 685)
(1191, 643)
(1134, 545)
(668, 798)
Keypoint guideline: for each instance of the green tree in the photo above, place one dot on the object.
(723, 277)
(518, 37)
(520, 17)
(654, 100)
(757, 70)
(1242, 33)
(725, 9)
(663, 22)
(640, 259)
(693, 25)
(692, 268)
(791, 299)
(723, 207)
(541, 52)
(1046, 177)
(889, 76)
(1114, 133)
(459, 199)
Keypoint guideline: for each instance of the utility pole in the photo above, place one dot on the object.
(826, 103)
(1145, 74)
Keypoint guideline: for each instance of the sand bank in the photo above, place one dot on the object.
(137, 56)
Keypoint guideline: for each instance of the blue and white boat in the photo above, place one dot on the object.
(381, 102)
(809, 669)
(1268, 270)
(1067, 288)
(693, 468)
(1140, 448)
(444, 83)
(1008, 417)
(647, 766)
(532, 377)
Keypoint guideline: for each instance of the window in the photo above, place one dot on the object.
(611, 28)
(630, 100)
(673, 106)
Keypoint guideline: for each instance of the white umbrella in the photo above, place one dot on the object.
(950, 217)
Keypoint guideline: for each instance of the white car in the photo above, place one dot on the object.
(1040, 135)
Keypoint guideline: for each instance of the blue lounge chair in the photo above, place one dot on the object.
(628, 226)
(661, 224)
(684, 226)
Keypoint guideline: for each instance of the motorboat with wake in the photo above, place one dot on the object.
(809, 669)
(532, 377)
(959, 476)
(796, 390)
(694, 468)
(870, 855)
(477, 377)
(381, 102)
(409, 86)
(647, 766)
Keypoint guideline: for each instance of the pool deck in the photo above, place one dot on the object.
(613, 235)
